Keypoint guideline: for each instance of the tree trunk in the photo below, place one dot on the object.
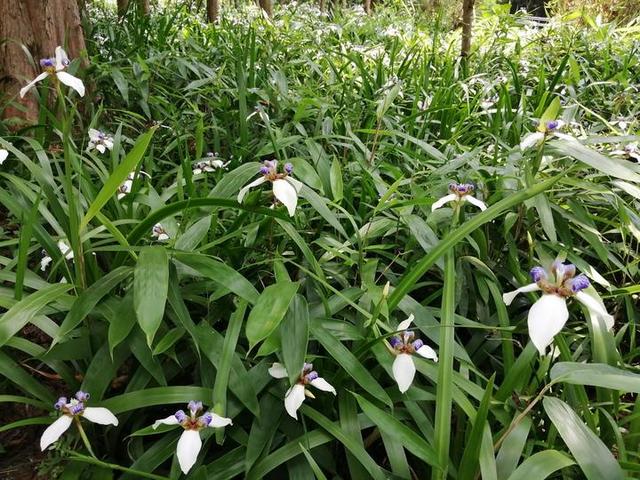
(123, 5)
(467, 25)
(213, 10)
(367, 6)
(267, 6)
(144, 6)
(533, 7)
(40, 26)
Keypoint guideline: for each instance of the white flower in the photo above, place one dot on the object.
(460, 192)
(544, 130)
(159, 232)
(630, 150)
(404, 345)
(3, 155)
(548, 315)
(99, 140)
(74, 409)
(285, 188)
(190, 443)
(65, 250)
(127, 185)
(295, 395)
(56, 67)
(210, 165)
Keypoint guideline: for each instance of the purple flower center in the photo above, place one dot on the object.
(82, 396)
(288, 167)
(77, 408)
(537, 274)
(180, 416)
(47, 62)
(307, 367)
(580, 283)
(395, 341)
(264, 170)
(62, 401)
(194, 406)
(418, 344)
(461, 189)
(205, 419)
(309, 377)
(552, 124)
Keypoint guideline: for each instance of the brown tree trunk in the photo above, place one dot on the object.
(267, 6)
(144, 6)
(467, 24)
(123, 5)
(213, 9)
(367, 6)
(39, 26)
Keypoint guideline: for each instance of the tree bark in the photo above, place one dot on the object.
(144, 6)
(123, 5)
(267, 6)
(213, 10)
(38, 26)
(467, 25)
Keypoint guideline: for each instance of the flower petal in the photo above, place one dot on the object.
(427, 352)
(71, 81)
(277, 370)
(546, 318)
(55, 431)
(293, 400)
(65, 250)
(441, 201)
(508, 297)
(405, 323)
(44, 263)
(286, 193)
(62, 60)
(31, 84)
(188, 448)
(3, 155)
(170, 420)
(478, 203)
(100, 415)
(595, 308)
(403, 371)
(100, 148)
(217, 421)
(94, 135)
(321, 384)
(531, 140)
(249, 186)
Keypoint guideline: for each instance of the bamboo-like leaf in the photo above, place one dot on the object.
(269, 310)
(150, 287)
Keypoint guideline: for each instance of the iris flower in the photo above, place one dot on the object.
(99, 140)
(404, 346)
(211, 164)
(460, 192)
(295, 395)
(126, 186)
(630, 150)
(190, 443)
(544, 130)
(65, 250)
(159, 232)
(3, 155)
(548, 315)
(56, 67)
(74, 409)
(285, 187)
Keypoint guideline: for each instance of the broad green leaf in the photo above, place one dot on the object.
(118, 176)
(511, 449)
(26, 309)
(269, 310)
(190, 239)
(150, 287)
(150, 397)
(336, 180)
(411, 440)
(551, 113)
(349, 363)
(594, 458)
(541, 465)
(596, 374)
(294, 331)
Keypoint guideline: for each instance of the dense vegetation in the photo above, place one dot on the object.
(162, 289)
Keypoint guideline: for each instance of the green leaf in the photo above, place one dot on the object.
(336, 180)
(150, 397)
(88, 300)
(190, 239)
(221, 274)
(349, 363)
(551, 113)
(542, 464)
(269, 310)
(118, 176)
(511, 449)
(317, 471)
(593, 456)
(25, 382)
(295, 330)
(26, 309)
(597, 375)
(411, 440)
(150, 287)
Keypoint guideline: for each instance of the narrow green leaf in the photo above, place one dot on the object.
(511, 449)
(597, 375)
(541, 465)
(150, 287)
(269, 310)
(295, 330)
(593, 456)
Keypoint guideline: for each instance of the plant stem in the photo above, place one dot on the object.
(84, 437)
(76, 457)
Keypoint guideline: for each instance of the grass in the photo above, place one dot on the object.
(377, 116)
